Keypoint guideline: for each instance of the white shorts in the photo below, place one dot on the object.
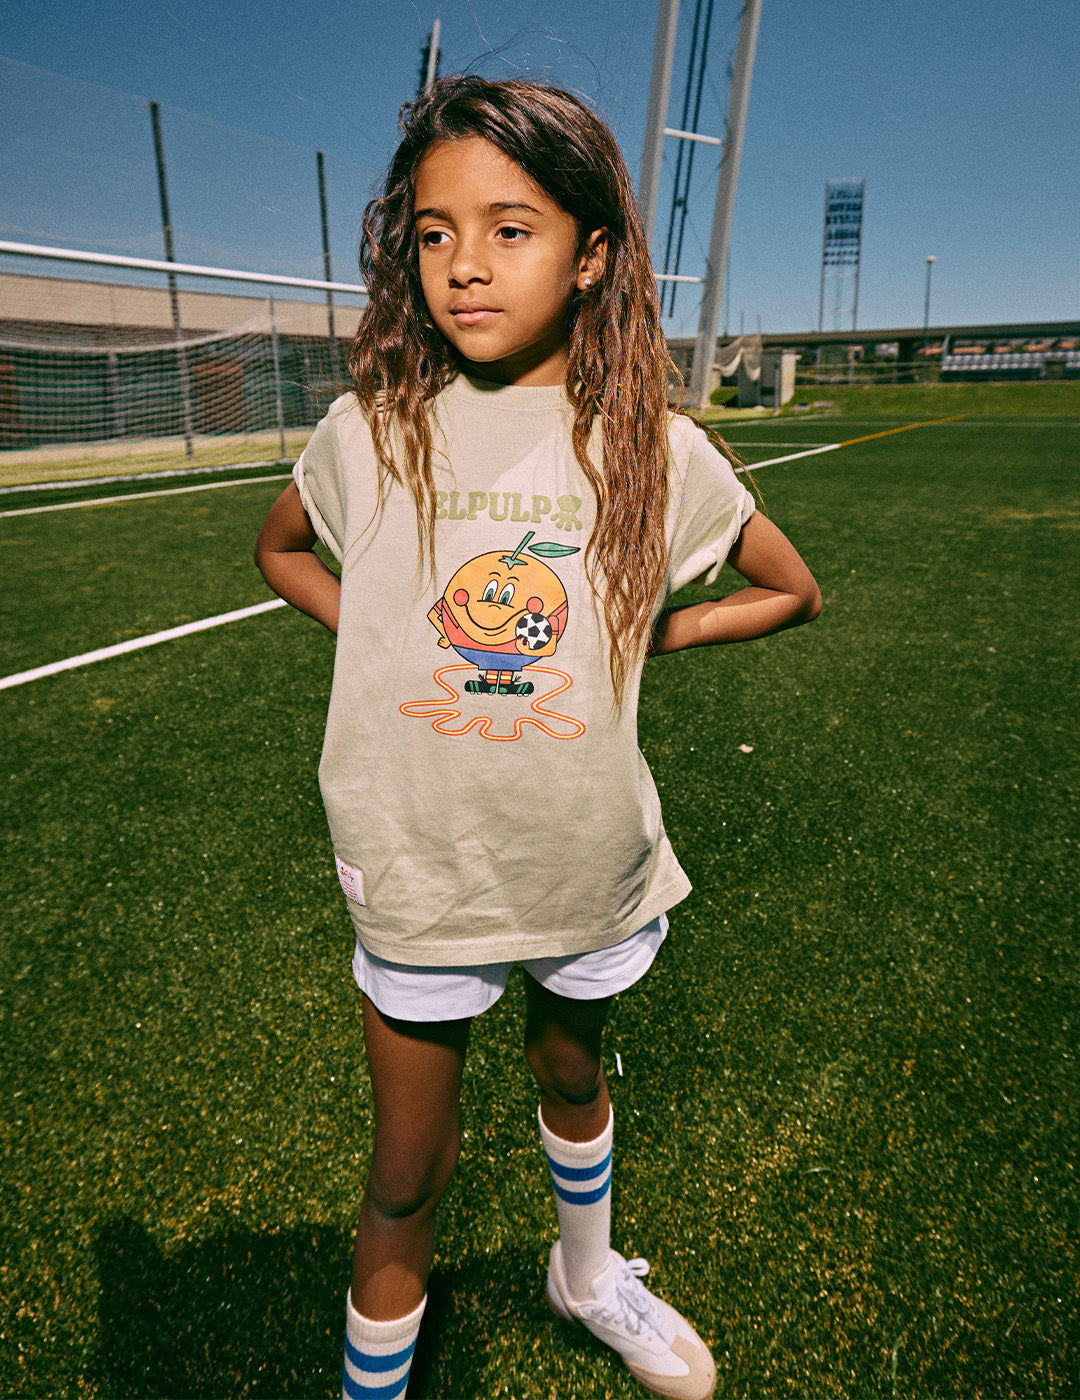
(453, 993)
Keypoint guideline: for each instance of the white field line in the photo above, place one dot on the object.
(79, 481)
(137, 643)
(791, 457)
(850, 442)
(141, 495)
(251, 480)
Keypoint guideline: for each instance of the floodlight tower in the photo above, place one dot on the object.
(731, 142)
(841, 250)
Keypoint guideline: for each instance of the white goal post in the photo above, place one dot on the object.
(224, 274)
(100, 363)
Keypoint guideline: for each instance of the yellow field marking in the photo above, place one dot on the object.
(137, 643)
(906, 429)
(835, 446)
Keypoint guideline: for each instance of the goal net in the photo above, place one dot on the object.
(246, 393)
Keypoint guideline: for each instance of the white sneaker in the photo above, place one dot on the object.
(658, 1346)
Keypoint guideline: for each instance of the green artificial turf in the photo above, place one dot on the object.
(1044, 399)
(101, 574)
(847, 1117)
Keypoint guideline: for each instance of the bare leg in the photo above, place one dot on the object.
(588, 1280)
(562, 1046)
(415, 1073)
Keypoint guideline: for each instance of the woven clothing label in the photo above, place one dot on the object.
(352, 880)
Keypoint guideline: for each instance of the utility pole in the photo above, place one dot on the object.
(429, 63)
(720, 242)
(174, 298)
(930, 261)
(335, 369)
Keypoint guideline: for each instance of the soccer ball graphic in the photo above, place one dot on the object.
(534, 630)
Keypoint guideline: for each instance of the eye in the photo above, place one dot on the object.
(433, 238)
(488, 595)
(507, 594)
(513, 235)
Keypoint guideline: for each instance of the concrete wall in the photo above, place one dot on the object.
(63, 301)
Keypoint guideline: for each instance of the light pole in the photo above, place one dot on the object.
(930, 261)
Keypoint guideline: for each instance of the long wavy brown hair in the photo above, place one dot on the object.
(617, 371)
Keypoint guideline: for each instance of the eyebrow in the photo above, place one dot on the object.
(497, 207)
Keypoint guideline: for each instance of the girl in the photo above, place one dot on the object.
(511, 503)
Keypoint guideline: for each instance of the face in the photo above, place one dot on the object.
(488, 596)
(500, 262)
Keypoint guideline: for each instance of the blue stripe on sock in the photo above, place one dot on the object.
(583, 1198)
(355, 1391)
(364, 1361)
(578, 1173)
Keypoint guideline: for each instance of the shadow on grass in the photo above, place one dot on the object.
(248, 1313)
(239, 1313)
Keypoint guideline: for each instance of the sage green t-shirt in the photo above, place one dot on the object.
(487, 800)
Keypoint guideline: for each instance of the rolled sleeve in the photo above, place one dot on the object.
(319, 477)
(714, 507)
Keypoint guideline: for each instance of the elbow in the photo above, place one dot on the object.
(262, 554)
(265, 561)
(808, 605)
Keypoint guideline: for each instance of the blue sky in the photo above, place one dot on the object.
(959, 114)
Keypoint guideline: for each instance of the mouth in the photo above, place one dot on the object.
(500, 626)
(472, 313)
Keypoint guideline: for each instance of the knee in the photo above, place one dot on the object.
(408, 1184)
(567, 1072)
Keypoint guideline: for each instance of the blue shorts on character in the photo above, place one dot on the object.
(509, 660)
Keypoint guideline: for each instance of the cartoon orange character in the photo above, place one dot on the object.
(503, 612)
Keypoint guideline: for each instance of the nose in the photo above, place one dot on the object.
(469, 262)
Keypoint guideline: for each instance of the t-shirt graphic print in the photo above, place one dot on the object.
(502, 612)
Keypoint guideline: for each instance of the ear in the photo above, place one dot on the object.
(592, 259)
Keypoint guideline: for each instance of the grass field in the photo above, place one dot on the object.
(912, 401)
(849, 1107)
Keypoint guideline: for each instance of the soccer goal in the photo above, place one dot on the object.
(105, 368)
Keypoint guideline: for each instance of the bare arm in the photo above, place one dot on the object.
(782, 593)
(284, 554)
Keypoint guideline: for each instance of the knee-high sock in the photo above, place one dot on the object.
(581, 1173)
(378, 1354)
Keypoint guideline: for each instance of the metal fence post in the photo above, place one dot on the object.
(277, 379)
